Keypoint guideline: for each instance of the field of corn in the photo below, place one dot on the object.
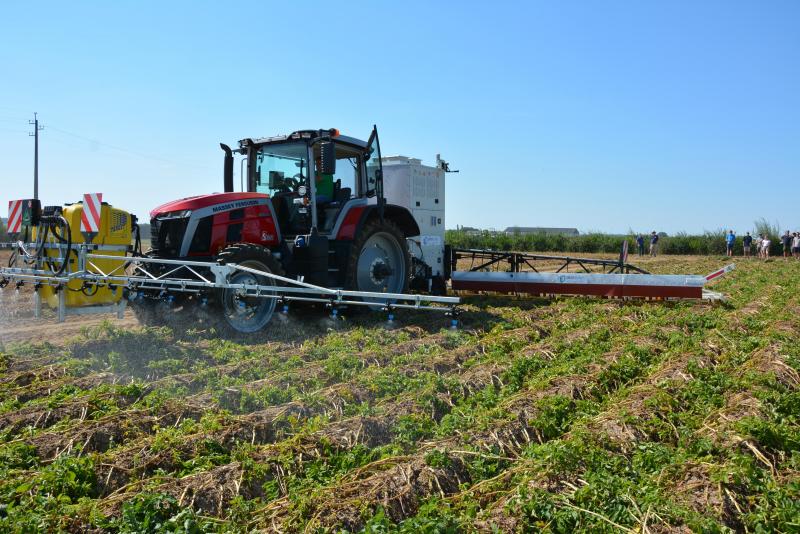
(535, 415)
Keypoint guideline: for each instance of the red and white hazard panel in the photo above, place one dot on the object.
(14, 216)
(90, 220)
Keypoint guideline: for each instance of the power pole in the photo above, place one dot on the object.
(35, 134)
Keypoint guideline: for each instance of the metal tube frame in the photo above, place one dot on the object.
(518, 261)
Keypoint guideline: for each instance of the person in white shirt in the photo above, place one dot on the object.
(759, 245)
(796, 245)
(765, 244)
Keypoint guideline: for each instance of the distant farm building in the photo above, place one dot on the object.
(469, 230)
(516, 230)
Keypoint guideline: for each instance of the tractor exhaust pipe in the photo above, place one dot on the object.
(227, 168)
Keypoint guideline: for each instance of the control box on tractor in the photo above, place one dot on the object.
(313, 209)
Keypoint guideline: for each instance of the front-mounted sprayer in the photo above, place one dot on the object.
(53, 243)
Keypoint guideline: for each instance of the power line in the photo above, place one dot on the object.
(121, 149)
(107, 145)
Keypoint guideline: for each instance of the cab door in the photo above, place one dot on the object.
(374, 175)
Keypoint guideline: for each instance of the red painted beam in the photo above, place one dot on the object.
(599, 290)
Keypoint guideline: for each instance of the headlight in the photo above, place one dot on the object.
(175, 215)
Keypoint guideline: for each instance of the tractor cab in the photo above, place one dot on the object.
(312, 210)
(311, 176)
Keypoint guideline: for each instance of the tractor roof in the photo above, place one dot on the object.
(304, 134)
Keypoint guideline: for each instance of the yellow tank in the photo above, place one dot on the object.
(114, 233)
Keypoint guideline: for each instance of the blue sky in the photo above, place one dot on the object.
(679, 115)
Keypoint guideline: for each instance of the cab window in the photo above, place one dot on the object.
(281, 168)
(343, 185)
(346, 174)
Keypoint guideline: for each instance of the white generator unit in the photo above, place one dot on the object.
(421, 189)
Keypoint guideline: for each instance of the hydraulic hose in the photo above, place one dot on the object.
(85, 289)
(60, 238)
(40, 241)
(137, 243)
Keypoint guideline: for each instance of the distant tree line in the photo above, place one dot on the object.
(708, 243)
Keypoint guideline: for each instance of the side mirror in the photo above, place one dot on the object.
(327, 157)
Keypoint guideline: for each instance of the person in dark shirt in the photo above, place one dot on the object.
(747, 242)
(653, 244)
(640, 244)
(786, 241)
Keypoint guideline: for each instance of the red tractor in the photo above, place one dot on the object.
(314, 210)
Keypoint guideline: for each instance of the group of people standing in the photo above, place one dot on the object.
(762, 243)
(653, 244)
(789, 241)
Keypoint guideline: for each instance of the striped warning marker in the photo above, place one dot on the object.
(717, 274)
(90, 219)
(14, 216)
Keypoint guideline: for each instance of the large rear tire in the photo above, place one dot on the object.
(248, 314)
(379, 259)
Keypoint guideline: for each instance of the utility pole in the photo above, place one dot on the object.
(35, 134)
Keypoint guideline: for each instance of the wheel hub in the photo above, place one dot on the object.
(381, 270)
(245, 313)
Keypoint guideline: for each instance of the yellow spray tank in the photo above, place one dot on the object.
(112, 238)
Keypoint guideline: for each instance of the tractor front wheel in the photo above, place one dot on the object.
(245, 313)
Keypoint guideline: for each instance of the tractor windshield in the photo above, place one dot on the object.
(281, 168)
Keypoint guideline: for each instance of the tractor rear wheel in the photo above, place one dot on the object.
(244, 313)
(379, 259)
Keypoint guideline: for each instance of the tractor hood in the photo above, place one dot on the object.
(204, 201)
